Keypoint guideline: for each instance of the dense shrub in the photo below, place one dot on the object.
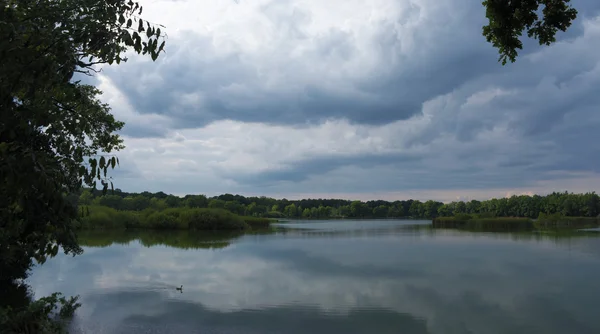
(161, 221)
(100, 217)
(211, 219)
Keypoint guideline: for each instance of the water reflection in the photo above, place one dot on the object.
(333, 277)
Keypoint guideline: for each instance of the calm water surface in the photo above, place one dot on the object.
(332, 277)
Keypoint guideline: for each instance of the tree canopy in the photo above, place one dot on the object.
(508, 19)
(55, 134)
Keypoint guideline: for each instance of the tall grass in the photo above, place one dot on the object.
(257, 222)
(477, 223)
(101, 217)
(544, 221)
(560, 221)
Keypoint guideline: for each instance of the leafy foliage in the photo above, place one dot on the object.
(55, 134)
(51, 124)
(508, 19)
(39, 316)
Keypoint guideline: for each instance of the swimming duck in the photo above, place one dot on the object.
(180, 288)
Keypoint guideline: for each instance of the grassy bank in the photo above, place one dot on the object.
(102, 217)
(544, 221)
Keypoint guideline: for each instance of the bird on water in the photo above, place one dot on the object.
(180, 288)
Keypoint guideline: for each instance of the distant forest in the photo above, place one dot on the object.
(568, 204)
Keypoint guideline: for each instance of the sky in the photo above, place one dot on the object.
(369, 99)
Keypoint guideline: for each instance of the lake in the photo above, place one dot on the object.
(378, 277)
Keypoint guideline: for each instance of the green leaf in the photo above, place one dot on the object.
(140, 25)
(121, 19)
(129, 23)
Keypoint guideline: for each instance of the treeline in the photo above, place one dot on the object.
(564, 203)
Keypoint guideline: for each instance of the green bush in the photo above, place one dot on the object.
(101, 217)
(211, 219)
(161, 220)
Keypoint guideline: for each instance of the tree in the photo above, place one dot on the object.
(380, 211)
(306, 213)
(112, 201)
(290, 211)
(460, 207)
(85, 197)
(196, 201)
(430, 209)
(359, 209)
(55, 134)
(158, 204)
(234, 206)
(251, 209)
(508, 19)
(394, 211)
(173, 201)
(216, 204)
(416, 209)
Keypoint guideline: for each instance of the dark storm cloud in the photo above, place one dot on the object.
(230, 86)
